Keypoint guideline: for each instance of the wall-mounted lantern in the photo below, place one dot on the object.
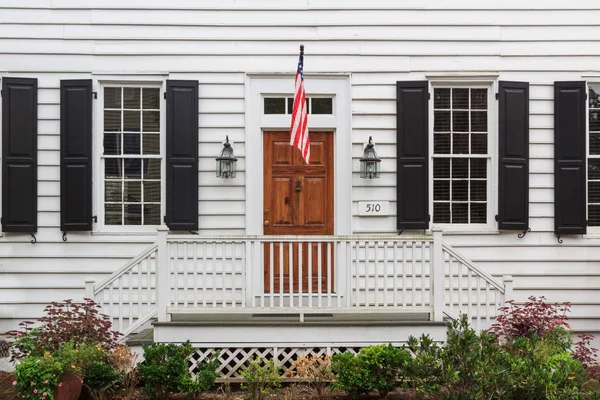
(369, 162)
(226, 161)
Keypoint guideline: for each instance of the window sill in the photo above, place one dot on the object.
(591, 236)
(124, 233)
(457, 232)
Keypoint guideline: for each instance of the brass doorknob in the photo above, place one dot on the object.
(266, 222)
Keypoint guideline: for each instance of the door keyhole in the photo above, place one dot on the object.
(298, 185)
(286, 201)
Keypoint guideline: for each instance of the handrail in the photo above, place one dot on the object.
(125, 268)
(293, 238)
(469, 264)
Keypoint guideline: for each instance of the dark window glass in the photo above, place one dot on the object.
(321, 105)
(274, 105)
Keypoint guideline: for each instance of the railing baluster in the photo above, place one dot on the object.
(335, 247)
(356, 249)
(204, 275)
(130, 298)
(395, 265)
(310, 277)
(403, 274)
(233, 274)
(281, 276)
(195, 267)
(223, 273)
(300, 286)
(243, 263)
(291, 273)
(319, 274)
(423, 274)
(385, 274)
(450, 284)
(185, 274)
(470, 286)
(110, 302)
(487, 305)
(349, 268)
(478, 303)
(120, 283)
(271, 275)
(460, 302)
(414, 275)
(214, 274)
(139, 288)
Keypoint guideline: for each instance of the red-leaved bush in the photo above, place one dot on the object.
(537, 317)
(64, 322)
(534, 317)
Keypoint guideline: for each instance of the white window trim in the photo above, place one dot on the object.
(490, 83)
(98, 146)
(592, 231)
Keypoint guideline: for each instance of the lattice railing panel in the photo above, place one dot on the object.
(234, 360)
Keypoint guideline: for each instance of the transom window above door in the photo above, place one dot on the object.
(131, 156)
(285, 105)
(461, 157)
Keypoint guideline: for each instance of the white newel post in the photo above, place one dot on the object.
(508, 288)
(89, 288)
(438, 273)
(162, 275)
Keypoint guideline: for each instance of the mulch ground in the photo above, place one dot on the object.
(7, 390)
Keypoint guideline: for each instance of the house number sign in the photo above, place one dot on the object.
(373, 208)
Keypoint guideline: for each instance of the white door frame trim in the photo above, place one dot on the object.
(337, 86)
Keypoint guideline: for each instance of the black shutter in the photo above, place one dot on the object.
(412, 159)
(19, 154)
(182, 155)
(569, 158)
(76, 155)
(513, 171)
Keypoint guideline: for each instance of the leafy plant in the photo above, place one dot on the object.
(164, 368)
(63, 322)
(584, 352)
(202, 380)
(385, 366)
(315, 371)
(260, 378)
(124, 361)
(535, 317)
(37, 377)
(427, 373)
(351, 375)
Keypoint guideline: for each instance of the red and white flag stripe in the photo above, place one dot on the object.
(299, 129)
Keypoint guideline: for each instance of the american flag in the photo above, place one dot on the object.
(299, 130)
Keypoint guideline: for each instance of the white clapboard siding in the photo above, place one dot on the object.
(218, 42)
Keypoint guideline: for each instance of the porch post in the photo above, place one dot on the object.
(89, 288)
(508, 288)
(163, 279)
(437, 271)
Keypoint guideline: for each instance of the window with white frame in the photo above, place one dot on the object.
(131, 157)
(461, 155)
(593, 156)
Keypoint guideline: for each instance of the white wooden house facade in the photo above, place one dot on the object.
(128, 88)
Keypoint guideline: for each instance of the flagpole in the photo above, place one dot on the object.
(301, 49)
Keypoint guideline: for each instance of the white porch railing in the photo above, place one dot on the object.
(272, 274)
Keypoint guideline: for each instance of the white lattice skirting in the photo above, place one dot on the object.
(233, 360)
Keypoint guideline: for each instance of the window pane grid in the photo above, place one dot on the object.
(593, 162)
(285, 105)
(132, 159)
(460, 156)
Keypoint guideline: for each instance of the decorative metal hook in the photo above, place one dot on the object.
(194, 233)
(522, 234)
(400, 232)
(559, 239)
(34, 240)
(64, 236)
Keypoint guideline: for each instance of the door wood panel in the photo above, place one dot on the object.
(298, 200)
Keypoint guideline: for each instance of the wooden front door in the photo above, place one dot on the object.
(298, 201)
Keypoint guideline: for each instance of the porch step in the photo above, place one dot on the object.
(317, 332)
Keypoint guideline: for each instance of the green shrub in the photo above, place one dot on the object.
(203, 379)
(164, 368)
(351, 375)
(37, 377)
(260, 378)
(385, 366)
(427, 373)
